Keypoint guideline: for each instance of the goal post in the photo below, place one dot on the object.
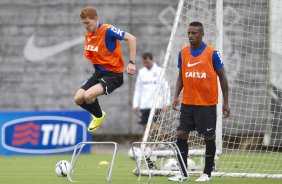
(165, 65)
(248, 35)
(219, 45)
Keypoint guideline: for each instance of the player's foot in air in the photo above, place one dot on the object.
(96, 122)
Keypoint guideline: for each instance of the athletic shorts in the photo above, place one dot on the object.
(200, 118)
(145, 113)
(109, 80)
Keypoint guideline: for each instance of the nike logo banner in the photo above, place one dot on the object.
(34, 53)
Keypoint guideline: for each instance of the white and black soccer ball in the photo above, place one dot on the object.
(171, 164)
(62, 168)
(191, 164)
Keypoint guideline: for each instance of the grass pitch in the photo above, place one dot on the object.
(40, 170)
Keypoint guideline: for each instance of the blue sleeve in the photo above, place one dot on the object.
(216, 59)
(179, 60)
(113, 34)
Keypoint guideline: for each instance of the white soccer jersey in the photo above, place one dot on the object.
(146, 88)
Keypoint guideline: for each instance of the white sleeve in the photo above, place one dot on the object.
(165, 92)
(137, 92)
(168, 94)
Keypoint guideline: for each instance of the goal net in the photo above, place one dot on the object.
(249, 36)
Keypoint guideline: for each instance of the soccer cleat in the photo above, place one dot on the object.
(96, 122)
(178, 177)
(204, 177)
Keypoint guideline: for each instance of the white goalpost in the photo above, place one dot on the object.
(249, 36)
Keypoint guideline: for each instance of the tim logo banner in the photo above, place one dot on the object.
(25, 133)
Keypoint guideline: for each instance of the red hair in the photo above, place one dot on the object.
(88, 12)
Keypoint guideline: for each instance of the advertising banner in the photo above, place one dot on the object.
(43, 132)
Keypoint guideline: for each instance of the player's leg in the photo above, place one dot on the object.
(143, 119)
(107, 83)
(79, 97)
(90, 97)
(156, 128)
(151, 164)
(144, 116)
(90, 107)
(186, 125)
(182, 137)
(206, 125)
(87, 99)
(209, 157)
(92, 93)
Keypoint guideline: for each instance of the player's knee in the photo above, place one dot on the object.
(209, 137)
(182, 135)
(78, 99)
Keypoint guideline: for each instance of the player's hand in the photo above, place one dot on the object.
(225, 110)
(175, 104)
(130, 69)
(136, 110)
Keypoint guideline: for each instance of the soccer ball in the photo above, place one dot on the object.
(62, 168)
(171, 164)
(191, 164)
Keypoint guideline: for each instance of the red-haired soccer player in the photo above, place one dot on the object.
(199, 65)
(102, 48)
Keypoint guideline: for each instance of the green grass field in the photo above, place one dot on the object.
(40, 170)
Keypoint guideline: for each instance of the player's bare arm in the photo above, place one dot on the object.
(224, 87)
(178, 88)
(131, 68)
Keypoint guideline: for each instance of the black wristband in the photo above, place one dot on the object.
(131, 61)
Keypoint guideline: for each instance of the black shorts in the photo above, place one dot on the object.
(145, 113)
(109, 80)
(200, 118)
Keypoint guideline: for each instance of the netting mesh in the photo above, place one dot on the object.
(251, 49)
